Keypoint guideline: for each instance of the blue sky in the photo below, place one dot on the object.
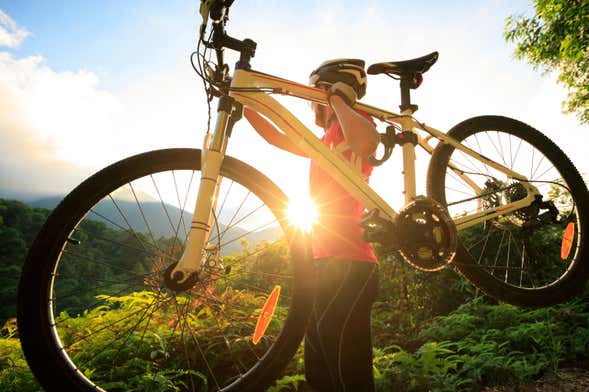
(118, 39)
(92, 82)
(114, 39)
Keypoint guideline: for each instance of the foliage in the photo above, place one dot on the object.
(160, 360)
(432, 331)
(481, 344)
(431, 367)
(409, 298)
(14, 372)
(19, 225)
(287, 382)
(557, 38)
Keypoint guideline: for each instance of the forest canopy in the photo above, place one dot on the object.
(556, 38)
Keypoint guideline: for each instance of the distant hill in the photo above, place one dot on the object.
(163, 220)
(47, 202)
(20, 222)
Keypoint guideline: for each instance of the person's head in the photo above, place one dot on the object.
(349, 71)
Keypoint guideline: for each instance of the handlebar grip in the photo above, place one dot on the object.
(217, 10)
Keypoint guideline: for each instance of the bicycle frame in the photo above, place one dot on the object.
(248, 88)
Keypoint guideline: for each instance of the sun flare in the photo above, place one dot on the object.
(302, 213)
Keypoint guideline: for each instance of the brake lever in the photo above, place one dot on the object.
(388, 139)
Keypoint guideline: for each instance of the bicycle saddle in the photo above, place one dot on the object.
(406, 67)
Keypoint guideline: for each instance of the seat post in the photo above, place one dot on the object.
(407, 137)
(406, 82)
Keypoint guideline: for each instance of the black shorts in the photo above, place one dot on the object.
(338, 346)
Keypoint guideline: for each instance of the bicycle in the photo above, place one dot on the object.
(183, 309)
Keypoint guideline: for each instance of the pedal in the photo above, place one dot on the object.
(368, 218)
(379, 230)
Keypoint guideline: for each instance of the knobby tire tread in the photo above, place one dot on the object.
(573, 282)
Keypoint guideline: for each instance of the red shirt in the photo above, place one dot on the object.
(337, 233)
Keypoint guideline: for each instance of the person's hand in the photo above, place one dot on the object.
(344, 91)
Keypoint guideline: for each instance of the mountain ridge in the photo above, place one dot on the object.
(163, 220)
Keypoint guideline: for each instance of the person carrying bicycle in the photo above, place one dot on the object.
(338, 346)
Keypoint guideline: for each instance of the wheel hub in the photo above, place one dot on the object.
(173, 281)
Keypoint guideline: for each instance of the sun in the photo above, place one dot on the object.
(302, 213)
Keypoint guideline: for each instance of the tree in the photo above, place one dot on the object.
(556, 38)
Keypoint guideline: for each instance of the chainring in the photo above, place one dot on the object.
(428, 237)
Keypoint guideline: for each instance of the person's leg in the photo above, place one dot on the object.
(355, 372)
(339, 355)
(319, 371)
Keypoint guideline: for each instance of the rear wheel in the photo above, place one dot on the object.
(95, 310)
(535, 256)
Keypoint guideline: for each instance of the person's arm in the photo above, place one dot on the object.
(270, 133)
(359, 132)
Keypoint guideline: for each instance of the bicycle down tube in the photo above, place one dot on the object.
(339, 168)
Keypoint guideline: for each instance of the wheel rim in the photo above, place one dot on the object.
(516, 249)
(137, 330)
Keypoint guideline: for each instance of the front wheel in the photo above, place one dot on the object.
(95, 311)
(535, 256)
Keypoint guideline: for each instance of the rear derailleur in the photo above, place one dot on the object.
(538, 213)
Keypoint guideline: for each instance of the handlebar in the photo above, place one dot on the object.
(218, 11)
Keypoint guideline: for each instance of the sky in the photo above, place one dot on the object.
(84, 84)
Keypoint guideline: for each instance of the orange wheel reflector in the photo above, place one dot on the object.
(266, 314)
(567, 241)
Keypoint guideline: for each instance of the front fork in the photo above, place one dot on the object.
(228, 113)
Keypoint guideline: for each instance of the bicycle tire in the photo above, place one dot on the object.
(484, 251)
(48, 335)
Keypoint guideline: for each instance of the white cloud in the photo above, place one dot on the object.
(60, 108)
(475, 75)
(57, 127)
(68, 119)
(28, 165)
(11, 34)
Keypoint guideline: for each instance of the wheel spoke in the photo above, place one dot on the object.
(235, 224)
(495, 147)
(176, 228)
(520, 249)
(263, 226)
(110, 294)
(141, 242)
(179, 317)
(502, 154)
(235, 215)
